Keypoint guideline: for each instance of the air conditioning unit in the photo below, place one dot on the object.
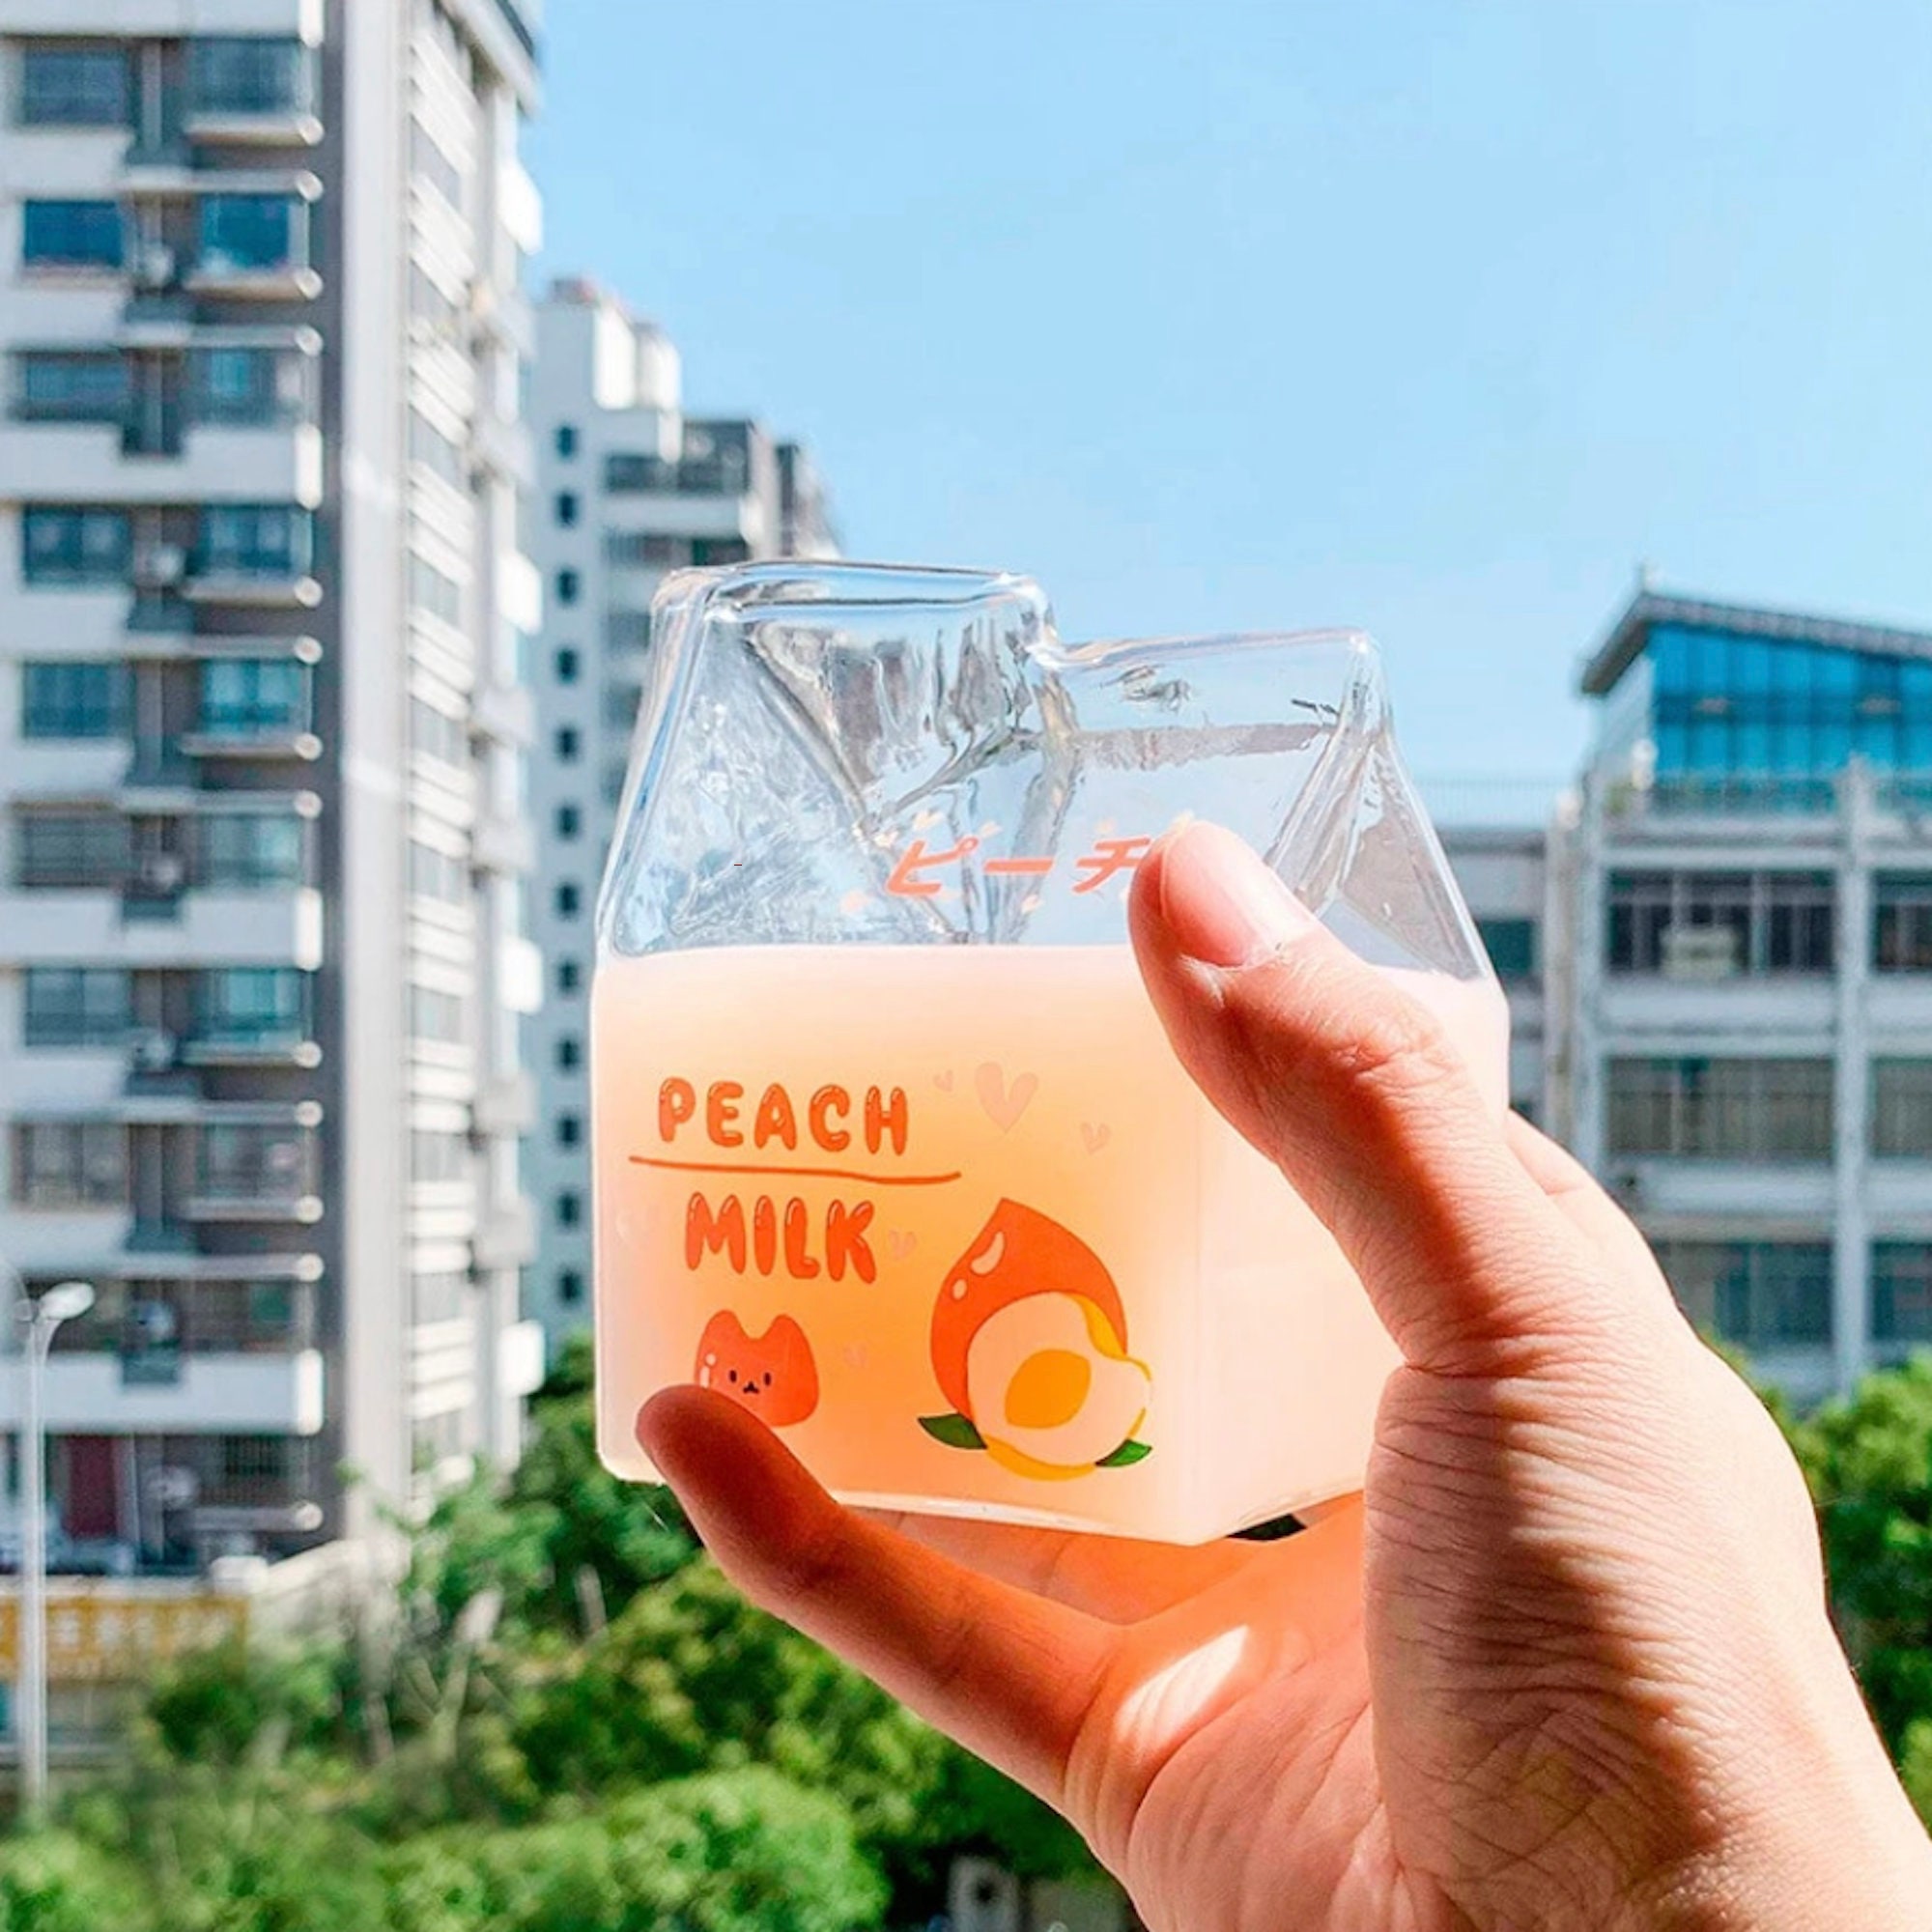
(152, 1051)
(153, 1323)
(162, 566)
(155, 267)
(163, 871)
(1700, 952)
(173, 1487)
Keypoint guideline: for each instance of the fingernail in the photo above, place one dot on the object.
(1223, 905)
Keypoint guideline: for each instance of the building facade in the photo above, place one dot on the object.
(1500, 861)
(1744, 901)
(263, 620)
(630, 487)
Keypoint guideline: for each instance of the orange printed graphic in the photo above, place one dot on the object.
(1030, 1347)
(772, 1374)
(1109, 856)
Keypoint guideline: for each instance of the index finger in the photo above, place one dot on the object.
(1011, 1675)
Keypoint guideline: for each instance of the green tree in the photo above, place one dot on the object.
(58, 1882)
(1868, 1459)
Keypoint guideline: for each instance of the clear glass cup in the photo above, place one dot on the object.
(889, 1145)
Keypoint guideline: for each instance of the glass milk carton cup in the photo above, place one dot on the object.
(889, 1147)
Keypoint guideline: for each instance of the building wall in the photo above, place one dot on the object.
(607, 392)
(246, 1348)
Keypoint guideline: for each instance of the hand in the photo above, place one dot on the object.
(1565, 1664)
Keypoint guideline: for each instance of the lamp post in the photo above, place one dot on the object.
(40, 1315)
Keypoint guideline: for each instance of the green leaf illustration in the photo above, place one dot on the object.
(1128, 1453)
(955, 1430)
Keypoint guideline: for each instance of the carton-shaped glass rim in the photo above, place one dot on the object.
(813, 739)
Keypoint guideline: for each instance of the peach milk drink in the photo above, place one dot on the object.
(889, 1148)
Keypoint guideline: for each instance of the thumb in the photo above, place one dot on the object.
(1357, 1092)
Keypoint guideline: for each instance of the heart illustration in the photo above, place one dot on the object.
(1003, 1101)
(900, 1243)
(944, 1081)
(856, 1354)
(1096, 1137)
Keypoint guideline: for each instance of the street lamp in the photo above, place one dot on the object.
(40, 1315)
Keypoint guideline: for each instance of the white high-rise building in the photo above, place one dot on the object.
(630, 487)
(262, 730)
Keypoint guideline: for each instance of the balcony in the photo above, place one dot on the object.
(507, 1237)
(215, 1394)
(1659, 1007)
(257, 741)
(263, 1047)
(197, 927)
(264, 587)
(506, 713)
(502, 845)
(505, 1104)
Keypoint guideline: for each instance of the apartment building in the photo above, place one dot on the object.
(264, 626)
(630, 487)
(1745, 903)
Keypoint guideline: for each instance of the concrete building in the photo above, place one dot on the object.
(630, 488)
(263, 840)
(1498, 852)
(1745, 901)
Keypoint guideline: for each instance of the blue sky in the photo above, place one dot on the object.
(1431, 317)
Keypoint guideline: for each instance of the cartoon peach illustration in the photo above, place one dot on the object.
(1030, 1345)
(773, 1374)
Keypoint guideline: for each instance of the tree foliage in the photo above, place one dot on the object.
(565, 1718)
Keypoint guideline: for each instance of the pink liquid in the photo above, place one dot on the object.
(955, 1221)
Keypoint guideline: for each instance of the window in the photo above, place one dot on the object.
(1902, 922)
(437, 875)
(438, 735)
(569, 1286)
(568, 900)
(75, 1005)
(255, 540)
(645, 549)
(429, 158)
(70, 1164)
(628, 630)
(1721, 1109)
(248, 695)
(72, 850)
(252, 234)
(566, 666)
(566, 509)
(435, 452)
(1901, 1104)
(1901, 1291)
(566, 441)
(567, 744)
(435, 1015)
(74, 700)
(436, 591)
(438, 1159)
(429, 303)
(714, 551)
(62, 546)
(569, 975)
(567, 584)
(569, 1210)
(253, 1005)
(569, 1053)
(254, 1163)
(569, 821)
(569, 1129)
(70, 386)
(247, 385)
(249, 851)
(1711, 925)
(262, 1458)
(1511, 943)
(71, 235)
(437, 1295)
(1757, 1294)
(248, 77)
(74, 87)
